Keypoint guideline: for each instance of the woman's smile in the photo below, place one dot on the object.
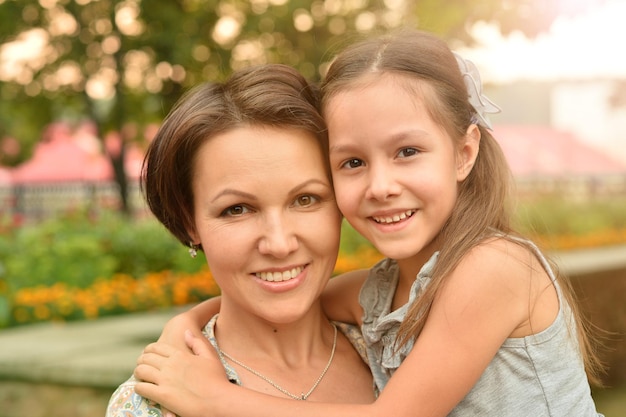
(279, 276)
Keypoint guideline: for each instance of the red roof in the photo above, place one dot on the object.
(65, 155)
(544, 151)
(5, 176)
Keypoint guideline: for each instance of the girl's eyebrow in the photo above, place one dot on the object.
(396, 137)
(341, 148)
(409, 134)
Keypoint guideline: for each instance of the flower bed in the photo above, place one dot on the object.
(120, 294)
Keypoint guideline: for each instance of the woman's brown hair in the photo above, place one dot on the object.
(424, 64)
(271, 95)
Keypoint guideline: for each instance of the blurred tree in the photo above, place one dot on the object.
(123, 63)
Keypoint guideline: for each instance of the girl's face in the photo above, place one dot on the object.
(395, 171)
(266, 216)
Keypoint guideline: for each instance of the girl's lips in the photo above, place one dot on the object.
(395, 218)
(280, 276)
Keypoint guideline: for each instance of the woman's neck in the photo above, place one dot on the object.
(294, 344)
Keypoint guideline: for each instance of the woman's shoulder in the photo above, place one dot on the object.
(125, 401)
(355, 337)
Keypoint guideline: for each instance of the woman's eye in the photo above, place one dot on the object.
(234, 211)
(407, 152)
(306, 200)
(352, 163)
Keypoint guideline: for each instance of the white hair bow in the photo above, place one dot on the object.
(482, 105)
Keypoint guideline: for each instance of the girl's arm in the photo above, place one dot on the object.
(340, 299)
(482, 302)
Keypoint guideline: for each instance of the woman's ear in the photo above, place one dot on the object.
(194, 238)
(468, 152)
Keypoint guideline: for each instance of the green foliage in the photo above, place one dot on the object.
(146, 246)
(558, 215)
(78, 251)
(351, 241)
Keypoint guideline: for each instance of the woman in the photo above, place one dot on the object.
(239, 171)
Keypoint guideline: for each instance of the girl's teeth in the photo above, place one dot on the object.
(395, 218)
(279, 276)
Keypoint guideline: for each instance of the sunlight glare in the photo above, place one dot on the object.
(585, 46)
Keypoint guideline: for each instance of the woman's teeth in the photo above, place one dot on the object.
(395, 218)
(280, 276)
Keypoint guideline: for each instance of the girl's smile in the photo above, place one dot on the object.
(394, 218)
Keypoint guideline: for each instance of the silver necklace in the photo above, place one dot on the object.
(301, 397)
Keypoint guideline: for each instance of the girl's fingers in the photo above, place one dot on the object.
(151, 359)
(146, 389)
(147, 374)
(199, 346)
(162, 349)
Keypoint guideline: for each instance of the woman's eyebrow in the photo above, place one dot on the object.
(308, 182)
(231, 191)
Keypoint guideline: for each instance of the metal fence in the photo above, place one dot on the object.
(35, 202)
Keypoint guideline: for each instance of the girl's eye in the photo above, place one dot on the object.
(407, 152)
(234, 211)
(352, 163)
(306, 200)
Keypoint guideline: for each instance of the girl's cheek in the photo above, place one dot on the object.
(346, 204)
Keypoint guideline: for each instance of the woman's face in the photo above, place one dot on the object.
(266, 216)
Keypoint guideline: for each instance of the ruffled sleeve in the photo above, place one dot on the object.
(380, 324)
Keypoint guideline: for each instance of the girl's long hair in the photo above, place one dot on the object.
(483, 208)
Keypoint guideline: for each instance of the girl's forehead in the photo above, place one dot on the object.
(381, 84)
(403, 83)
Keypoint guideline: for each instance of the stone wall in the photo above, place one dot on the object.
(602, 298)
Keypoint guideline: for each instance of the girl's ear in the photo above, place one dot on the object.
(468, 152)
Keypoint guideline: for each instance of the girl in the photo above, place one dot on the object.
(464, 317)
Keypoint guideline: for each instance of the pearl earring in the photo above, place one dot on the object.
(193, 250)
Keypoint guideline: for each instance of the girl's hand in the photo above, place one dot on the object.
(178, 380)
(192, 320)
(198, 345)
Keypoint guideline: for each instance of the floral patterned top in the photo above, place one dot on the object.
(125, 402)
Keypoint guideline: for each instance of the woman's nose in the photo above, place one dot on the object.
(279, 238)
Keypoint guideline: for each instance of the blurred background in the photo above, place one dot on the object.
(84, 85)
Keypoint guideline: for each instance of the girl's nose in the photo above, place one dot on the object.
(382, 185)
(279, 238)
